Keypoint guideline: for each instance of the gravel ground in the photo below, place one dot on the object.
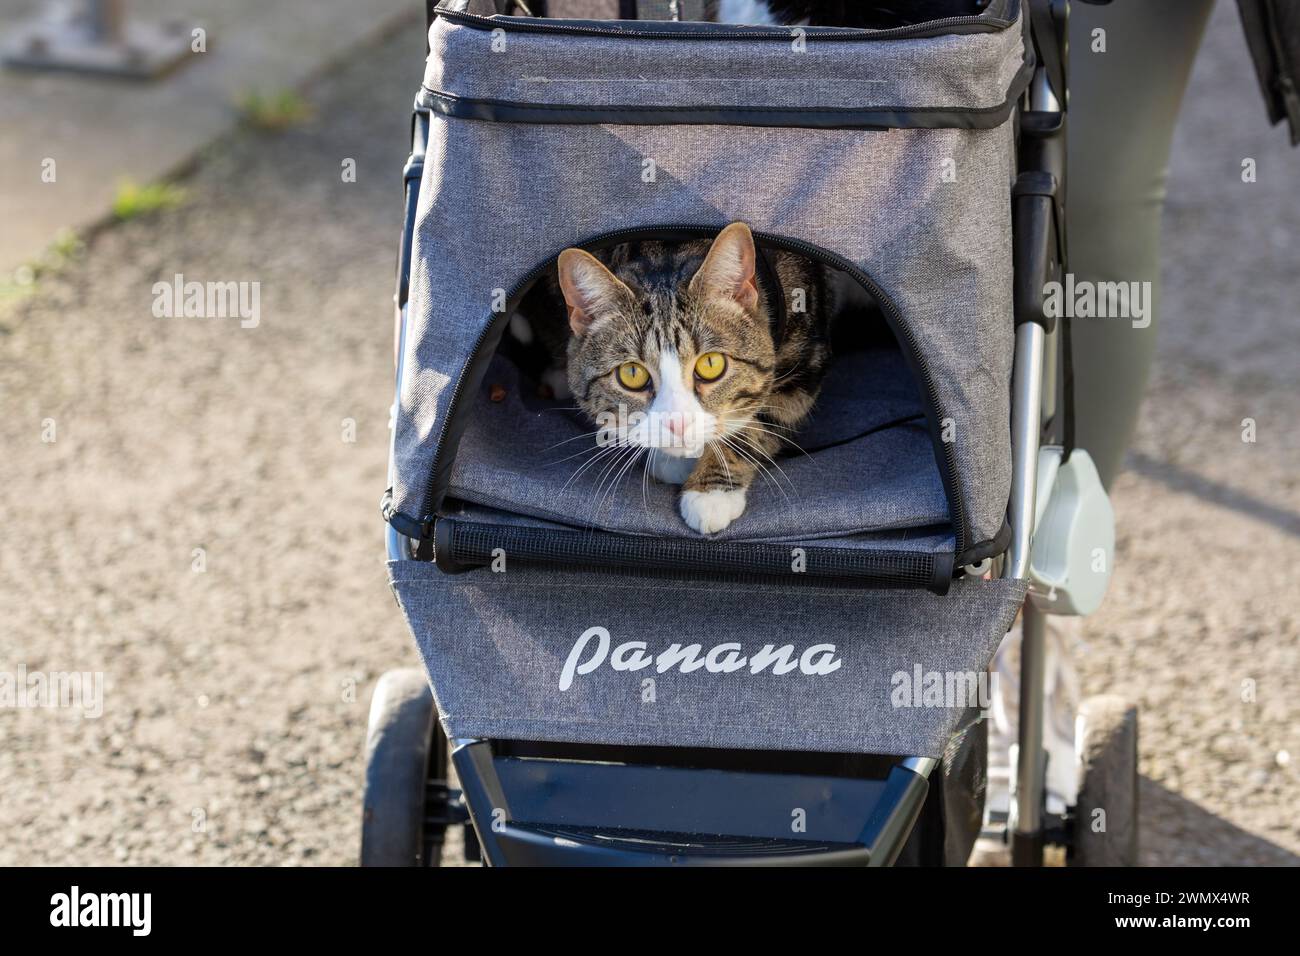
(1203, 598)
(236, 695)
(236, 698)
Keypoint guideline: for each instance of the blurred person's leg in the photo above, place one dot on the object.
(1123, 106)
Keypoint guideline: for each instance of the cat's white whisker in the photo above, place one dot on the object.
(625, 469)
(781, 378)
(608, 449)
(591, 434)
(754, 447)
(758, 466)
(626, 453)
(755, 409)
(756, 427)
(610, 465)
(717, 450)
(762, 469)
(627, 462)
(645, 483)
(577, 454)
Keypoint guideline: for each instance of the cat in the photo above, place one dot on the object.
(720, 347)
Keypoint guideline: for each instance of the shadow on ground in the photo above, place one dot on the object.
(1178, 832)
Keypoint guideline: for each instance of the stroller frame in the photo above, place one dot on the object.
(607, 805)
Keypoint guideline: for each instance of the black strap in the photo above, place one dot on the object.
(1067, 389)
(1283, 85)
(1047, 44)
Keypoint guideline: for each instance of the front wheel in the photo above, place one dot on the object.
(1106, 816)
(401, 742)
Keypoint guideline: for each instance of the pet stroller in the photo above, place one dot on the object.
(613, 688)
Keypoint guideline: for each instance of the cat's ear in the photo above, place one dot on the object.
(728, 269)
(590, 290)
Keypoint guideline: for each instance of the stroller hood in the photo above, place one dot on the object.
(887, 154)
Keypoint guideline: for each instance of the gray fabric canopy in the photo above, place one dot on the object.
(922, 210)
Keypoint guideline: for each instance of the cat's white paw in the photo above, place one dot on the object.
(671, 469)
(711, 511)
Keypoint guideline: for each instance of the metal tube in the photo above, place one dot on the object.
(1051, 377)
(1026, 424)
(1028, 401)
(1041, 96)
(1027, 807)
(920, 765)
(397, 545)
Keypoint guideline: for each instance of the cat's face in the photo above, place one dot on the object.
(674, 368)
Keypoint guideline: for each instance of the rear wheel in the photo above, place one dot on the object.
(405, 762)
(1106, 816)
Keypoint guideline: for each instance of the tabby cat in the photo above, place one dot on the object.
(711, 353)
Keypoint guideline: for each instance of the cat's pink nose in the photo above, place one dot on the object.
(676, 425)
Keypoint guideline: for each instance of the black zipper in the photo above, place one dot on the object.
(915, 31)
(894, 315)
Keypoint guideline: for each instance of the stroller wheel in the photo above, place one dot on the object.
(402, 754)
(1106, 816)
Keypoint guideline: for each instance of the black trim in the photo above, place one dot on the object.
(1271, 36)
(404, 524)
(1036, 245)
(465, 545)
(411, 177)
(1051, 43)
(1068, 430)
(998, 16)
(849, 117)
(430, 14)
(991, 548)
(585, 810)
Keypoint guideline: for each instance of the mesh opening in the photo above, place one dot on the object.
(463, 545)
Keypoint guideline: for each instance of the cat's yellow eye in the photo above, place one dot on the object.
(710, 366)
(633, 375)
